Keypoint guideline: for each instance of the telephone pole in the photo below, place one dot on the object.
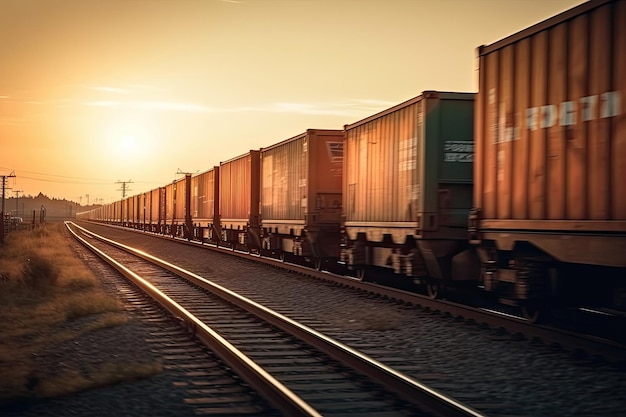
(16, 200)
(4, 188)
(124, 188)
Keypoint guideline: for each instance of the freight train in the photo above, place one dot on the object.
(519, 190)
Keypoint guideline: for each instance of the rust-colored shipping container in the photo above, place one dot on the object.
(239, 200)
(550, 164)
(408, 185)
(144, 214)
(551, 131)
(301, 195)
(156, 200)
(205, 196)
(175, 201)
(117, 211)
(205, 205)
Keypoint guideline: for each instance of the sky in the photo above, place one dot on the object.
(94, 93)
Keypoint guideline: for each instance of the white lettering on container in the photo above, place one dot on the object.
(566, 113)
(610, 104)
(588, 107)
(548, 116)
(458, 151)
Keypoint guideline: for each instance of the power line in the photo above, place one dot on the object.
(55, 175)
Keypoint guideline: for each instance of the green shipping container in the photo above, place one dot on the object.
(408, 170)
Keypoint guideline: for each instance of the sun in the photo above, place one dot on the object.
(128, 144)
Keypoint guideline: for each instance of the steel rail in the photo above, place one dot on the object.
(405, 387)
(613, 352)
(274, 391)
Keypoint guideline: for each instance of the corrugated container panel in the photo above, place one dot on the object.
(132, 209)
(127, 208)
(239, 188)
(154, 206)
(411, 161)
(550, 122)
(117, 211)
(142, 214)
(180, 188)
(284, 179)
(169, 202)
(325, 168)
(203, 195)
(137, 209)
(298, 172)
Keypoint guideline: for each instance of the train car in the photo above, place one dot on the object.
(407, 190)
(301, 196)
(116, 212)
(239, 202)
(550, 168)
(177, 200)
(205, 205)
(157, 210)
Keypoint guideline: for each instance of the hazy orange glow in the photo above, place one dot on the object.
(92, 92)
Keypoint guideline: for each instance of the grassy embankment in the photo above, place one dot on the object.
(48, 296)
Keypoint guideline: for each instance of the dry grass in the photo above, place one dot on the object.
(43, 287)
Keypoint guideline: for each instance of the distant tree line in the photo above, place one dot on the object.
(55, 208)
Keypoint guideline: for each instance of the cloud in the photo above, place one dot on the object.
(153, 105)
(351, 108)
(116, 90)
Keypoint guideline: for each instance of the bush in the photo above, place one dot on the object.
(39, 272)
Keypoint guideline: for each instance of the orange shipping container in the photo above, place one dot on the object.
(301, 176)
(551, 135)
(204, 196)
(239, 191)
(175, 201)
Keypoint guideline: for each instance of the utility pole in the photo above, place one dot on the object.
(16, 200)
(124, 188)
(87, 195)
(4, 187)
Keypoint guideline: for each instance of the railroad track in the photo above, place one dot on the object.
(297, 369)
(569, 339)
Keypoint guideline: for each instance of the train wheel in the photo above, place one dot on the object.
(533, 312)
(433, 289)
(318, 263)
(361, 274)
(282, 256)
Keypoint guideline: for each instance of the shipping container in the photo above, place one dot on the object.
(117, 212)
(157, 201)
(550, 164)
(205, 205)
(177, 220)
(407, 185)
(239, 200)
(301, 195)
(144, 215)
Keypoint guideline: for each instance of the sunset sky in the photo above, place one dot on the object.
(98, 91)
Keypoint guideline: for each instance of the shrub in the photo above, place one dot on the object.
(39, 273)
